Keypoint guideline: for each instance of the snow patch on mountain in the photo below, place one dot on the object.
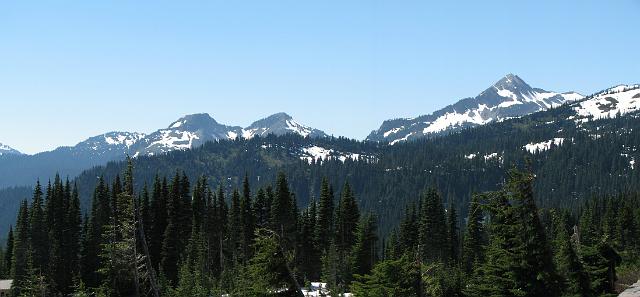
(319, 154)
(543, 145)
(124, 138)
(174, 140)
(610, 103)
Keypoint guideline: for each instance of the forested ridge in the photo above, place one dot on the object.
(596, 158)
(181, 237)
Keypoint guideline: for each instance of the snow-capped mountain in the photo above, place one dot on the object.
(7, 150)
(194, 130)
(508, 98)
(279, 124)
(612, 102)
(112, 143)
(185, 133)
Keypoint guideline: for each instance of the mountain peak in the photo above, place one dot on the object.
(279, 124)
(282, 116)
(510, 97)
(196, 119)
(511, 82)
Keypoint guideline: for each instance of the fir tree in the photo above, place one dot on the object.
(235, 227)
(20, 258)
(283, 219)
(247, 220)
(347, 218)
(433, 229)
(364, 251)
(120, 259)
(8, 255)
(473, 245)
(158, 223)
(38, 236)
(261, 210)
(452, 230)
(325, 228)
(576, 280)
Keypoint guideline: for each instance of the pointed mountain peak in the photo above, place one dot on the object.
(193, 120)
(511, 82)
(280, 116)
(273, 119)
(279, 124)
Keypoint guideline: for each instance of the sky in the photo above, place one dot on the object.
(74, 69)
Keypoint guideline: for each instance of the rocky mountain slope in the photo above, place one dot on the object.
(510, 97)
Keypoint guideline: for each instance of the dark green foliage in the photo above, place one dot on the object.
(325, 226)
(433, 228)
(100, 215)
(576, 281)
(20, 259)
(504, 253)
(346, 219)
(518, 258)
(268, 270)
(247, 220)
(283, 213)
(473, 245)
(365, 255)
(158, 224)
(261, 209)
(309, 261)
(453, 232)
(389, 278)
(8, 256)
(119, 255)
(39, 237)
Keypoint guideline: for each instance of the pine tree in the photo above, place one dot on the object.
(120, 258)
(235, 227)
(283, 219)
(261, 210)
(73, 230)
(347, 218)
(325, 228)
(518, 259)
(171, 246)
(452, 230)
(433, 229)
(308, 257)
(20, 259)
(364, 255)
(576, 280)
(473, 246)
(8, 255)
(38, 236)
(158, 223)
(247, 218)
(399, 277)
(268, 270)
(99, 219)
(409, 231)
(145, 210)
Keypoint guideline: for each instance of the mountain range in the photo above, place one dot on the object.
(187, 132)
(510, 97)
(581, 147)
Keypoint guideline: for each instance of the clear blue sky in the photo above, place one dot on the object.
(74, 69)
